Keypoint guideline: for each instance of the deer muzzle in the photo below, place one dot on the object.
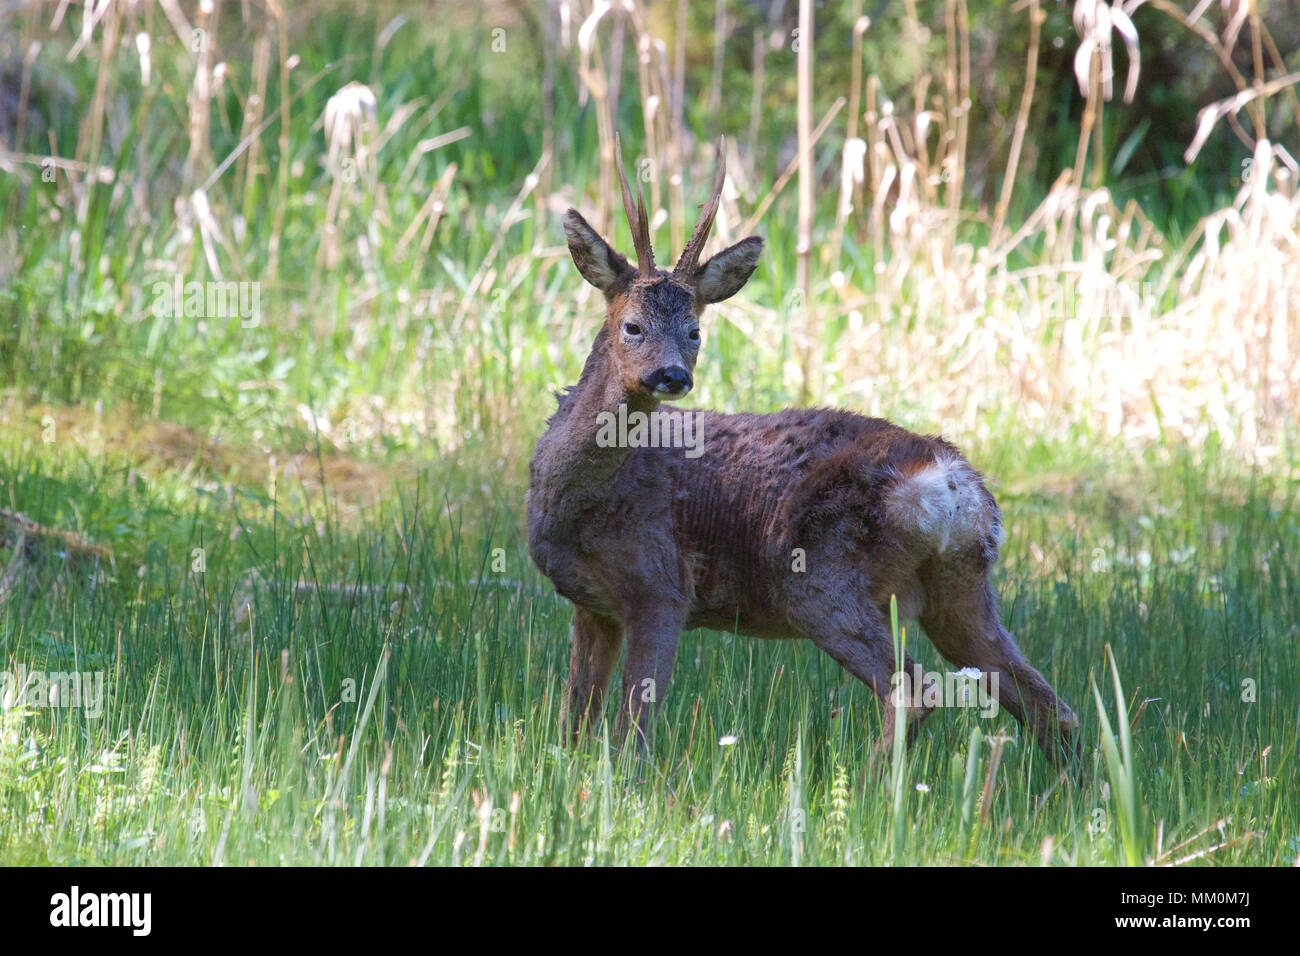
(669, 382)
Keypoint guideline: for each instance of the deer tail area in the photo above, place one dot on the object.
(943, 503)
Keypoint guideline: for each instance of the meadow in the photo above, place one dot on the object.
(283, 301)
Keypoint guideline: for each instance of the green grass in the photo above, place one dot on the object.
(389, 726)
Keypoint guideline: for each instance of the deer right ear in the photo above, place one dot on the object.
(595, 258)
(723, 275)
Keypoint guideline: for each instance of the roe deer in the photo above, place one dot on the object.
(647, 539)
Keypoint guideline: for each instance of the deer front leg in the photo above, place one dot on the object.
(596, 643)
(651, 648)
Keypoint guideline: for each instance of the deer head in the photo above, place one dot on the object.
(652, 324)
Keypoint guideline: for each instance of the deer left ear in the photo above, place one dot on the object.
(595, 258)
(724, 275)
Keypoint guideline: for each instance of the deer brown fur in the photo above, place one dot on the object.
(797, 524)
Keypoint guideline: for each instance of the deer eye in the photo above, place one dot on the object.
(631, 328)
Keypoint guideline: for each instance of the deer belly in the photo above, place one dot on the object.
(729, 595)
(750, 622)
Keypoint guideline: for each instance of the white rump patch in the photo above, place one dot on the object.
(942, 502)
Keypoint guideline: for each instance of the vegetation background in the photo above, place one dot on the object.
(290, 535)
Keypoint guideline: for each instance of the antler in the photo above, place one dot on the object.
(685, 267)
(636, 217)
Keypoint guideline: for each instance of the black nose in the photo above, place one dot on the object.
(673, 380)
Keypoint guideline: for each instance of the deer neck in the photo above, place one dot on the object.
(577, 457)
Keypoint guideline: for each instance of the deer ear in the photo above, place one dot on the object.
(595, 258)
(723, 275)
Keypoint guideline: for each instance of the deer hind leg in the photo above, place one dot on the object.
(596, 643)
(944, 508)
(962, 621)
(651, 649)
(864, 647)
